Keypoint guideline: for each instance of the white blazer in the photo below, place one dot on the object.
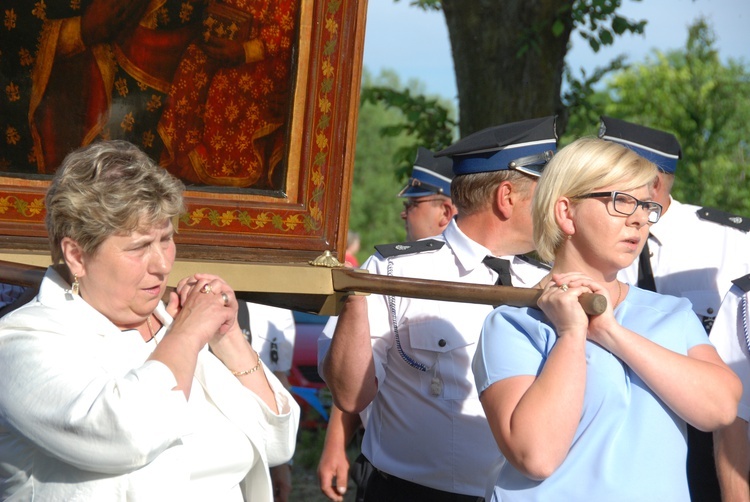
(84, 416)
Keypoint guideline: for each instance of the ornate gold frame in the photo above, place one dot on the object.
(295, 225)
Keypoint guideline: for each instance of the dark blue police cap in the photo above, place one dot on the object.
(430, 175)
(660, 147)
(525, 146)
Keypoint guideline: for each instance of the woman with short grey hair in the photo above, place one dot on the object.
(108, 393)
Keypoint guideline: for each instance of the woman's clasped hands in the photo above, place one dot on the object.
(206, 305)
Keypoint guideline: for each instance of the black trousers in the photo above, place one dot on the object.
(701, 470)
(383, 487)
(361, 472)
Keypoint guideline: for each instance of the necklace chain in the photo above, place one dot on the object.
(619, 294)
(151, 330)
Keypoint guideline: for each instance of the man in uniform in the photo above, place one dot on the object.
(692, 252)
(271, 332)
(410, 359)
(428, 209)
(731, 336)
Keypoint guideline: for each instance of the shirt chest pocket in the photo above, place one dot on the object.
(447, 355)
(706, 304)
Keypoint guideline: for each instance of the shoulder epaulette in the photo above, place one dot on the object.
(722, 218)
(534, 261)
(402, 248)
(743, 283)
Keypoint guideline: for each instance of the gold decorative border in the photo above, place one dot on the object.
(28, 207)
(308, 220)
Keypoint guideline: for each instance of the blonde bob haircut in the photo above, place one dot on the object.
(584, 166)
(108, 188)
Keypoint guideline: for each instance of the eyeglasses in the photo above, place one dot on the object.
(410, 203)
(626, 204)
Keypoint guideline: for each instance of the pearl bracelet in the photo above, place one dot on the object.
(247, 372)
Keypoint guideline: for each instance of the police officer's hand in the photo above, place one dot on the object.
(333, 471)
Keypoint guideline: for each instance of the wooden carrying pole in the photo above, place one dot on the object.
(20, 274)
(334, 284)
(349, 280)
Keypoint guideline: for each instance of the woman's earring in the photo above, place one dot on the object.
(75, 286)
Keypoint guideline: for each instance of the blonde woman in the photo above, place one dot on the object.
(595, 408)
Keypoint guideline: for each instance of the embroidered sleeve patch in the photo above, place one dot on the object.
(722, 218)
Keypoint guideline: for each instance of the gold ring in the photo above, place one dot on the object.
(225, 297)
(564, 287)
(206, 289)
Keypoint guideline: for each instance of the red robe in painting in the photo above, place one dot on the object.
(224, 125)
(112, 90)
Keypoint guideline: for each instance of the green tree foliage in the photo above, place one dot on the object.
(427, 120)
(388, 134)
(598, 22)
(703, 102)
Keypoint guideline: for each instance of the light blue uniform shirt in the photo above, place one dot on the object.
(628, 445)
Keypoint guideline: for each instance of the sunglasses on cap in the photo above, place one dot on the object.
(532, 164)
(415, 183)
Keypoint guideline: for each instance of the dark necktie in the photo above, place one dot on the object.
(645, 274)
(502, 267)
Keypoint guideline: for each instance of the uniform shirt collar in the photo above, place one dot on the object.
(469, 253)
(659, 230)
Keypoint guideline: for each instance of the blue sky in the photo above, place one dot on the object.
(415, 44)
